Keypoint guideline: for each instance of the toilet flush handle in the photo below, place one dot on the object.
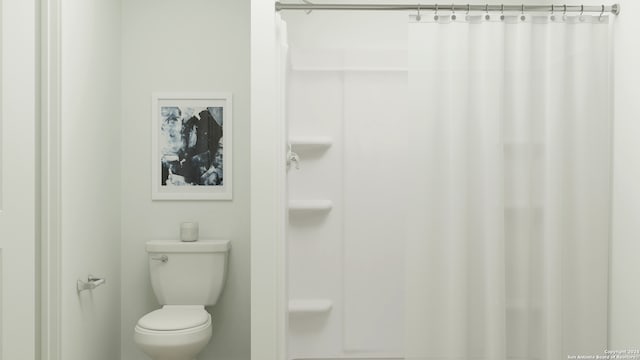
(163, 258)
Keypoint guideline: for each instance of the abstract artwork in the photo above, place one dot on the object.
(191, 153)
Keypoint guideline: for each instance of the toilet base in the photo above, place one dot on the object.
(170, 345)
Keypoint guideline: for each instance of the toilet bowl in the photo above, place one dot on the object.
(174, 332)
(185, 277)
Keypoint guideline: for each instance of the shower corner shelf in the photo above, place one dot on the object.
(302, 143)
(310, 205)
(309, 306)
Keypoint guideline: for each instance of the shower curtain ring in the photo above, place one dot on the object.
(308, 3)
(418, 17)
(435, 15)
(601, 13)
(522, 17)
(469, 8)
(501, 11)
(486, 10)
(453, 11)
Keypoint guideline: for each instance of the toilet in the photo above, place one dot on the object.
(186, 277)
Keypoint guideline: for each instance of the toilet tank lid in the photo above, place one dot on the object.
(177, 246)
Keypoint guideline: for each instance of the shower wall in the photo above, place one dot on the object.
(347, 112)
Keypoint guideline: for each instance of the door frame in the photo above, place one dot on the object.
(50, 183)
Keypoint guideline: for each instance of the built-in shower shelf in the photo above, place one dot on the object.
(310, 143)
(309, 306)
(310, 205)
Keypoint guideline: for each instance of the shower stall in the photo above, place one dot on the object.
(347, 110)
(446, 181)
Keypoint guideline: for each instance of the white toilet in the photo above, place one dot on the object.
(186, 277)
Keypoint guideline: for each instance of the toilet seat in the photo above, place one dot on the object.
(173, 344)
(174, 318)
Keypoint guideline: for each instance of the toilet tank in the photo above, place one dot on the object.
(187, 273)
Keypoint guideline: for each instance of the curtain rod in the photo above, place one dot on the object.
(308, 6)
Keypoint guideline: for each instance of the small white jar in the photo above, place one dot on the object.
(189, 231)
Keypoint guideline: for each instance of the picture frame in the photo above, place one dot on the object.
(191, 152)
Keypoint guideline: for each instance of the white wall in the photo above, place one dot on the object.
(180, 46)
(268, 251)
(90, 113)
(19, 201)
(624, 314)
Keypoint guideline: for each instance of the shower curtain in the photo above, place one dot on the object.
(507, 252)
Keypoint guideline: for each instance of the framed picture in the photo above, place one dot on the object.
(191, 146)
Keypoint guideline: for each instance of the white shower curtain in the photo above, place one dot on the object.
(507, 253)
